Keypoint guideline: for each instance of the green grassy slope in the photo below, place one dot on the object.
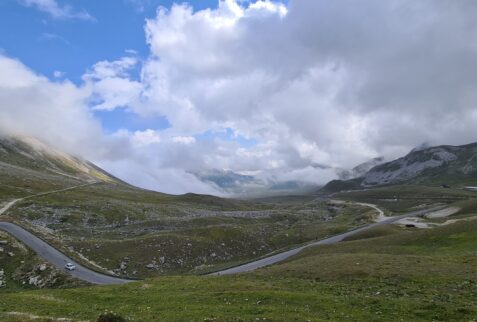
(140, 233)
(409, 276)
(114, 224)
(21, 269)
(403, 198)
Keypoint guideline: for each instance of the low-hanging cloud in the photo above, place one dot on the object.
(314, 82)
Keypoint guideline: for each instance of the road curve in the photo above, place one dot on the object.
(10, 204)
(331, 240)
(49, 253)
(57, 258)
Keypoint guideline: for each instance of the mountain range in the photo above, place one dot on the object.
(440, 165)
(28, 153)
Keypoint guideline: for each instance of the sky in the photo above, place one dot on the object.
(158, 91)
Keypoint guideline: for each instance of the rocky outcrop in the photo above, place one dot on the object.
(360, 170)
(435, 165)
(423, 164)
(409, 167)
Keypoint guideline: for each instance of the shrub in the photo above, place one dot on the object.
(110, 317)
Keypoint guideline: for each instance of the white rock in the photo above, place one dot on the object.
(34, 280)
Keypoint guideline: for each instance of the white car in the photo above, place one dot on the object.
(70, 266)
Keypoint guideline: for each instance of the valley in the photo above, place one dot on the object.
(404, 250)
(121, 230)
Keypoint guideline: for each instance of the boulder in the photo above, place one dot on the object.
(34, 280)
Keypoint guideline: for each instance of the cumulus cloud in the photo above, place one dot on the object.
(314, 84)
(58, 113)
(32, 104)
(333, 82)
(110, 84)
(57, 11)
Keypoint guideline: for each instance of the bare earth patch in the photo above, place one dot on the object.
(446, 212)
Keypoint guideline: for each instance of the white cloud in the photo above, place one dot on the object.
(349, 81)
(58, 74)
(146, 137)
(111, 85)
(184, 139)
(30, 102)
(57, 11)
(313, 83)
(58, 113)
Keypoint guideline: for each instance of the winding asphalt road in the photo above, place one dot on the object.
(49, 253)
(59, 259)
(331, 240)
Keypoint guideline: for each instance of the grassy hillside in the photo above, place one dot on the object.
(21, 269)
(385, 274)
(148, 233)
(111, 226)
(403, 275)
(403, 198)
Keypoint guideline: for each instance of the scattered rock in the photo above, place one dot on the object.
(35, 280)
(3, 242)
(11, 254)
(42, 267)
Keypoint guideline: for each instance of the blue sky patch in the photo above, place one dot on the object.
(47, 44)
(121, 118)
